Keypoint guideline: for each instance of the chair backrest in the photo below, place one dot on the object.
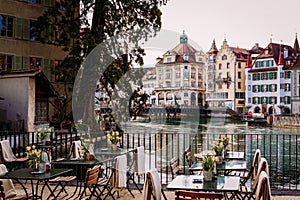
(139, 160)
(255, 163)
(187, 195)
(91, 176)
(152, 185)
(7, 152)
(263, 191)
(188, 156)
(174, 166)
(2, 194)
(263, 167)
(75, 149)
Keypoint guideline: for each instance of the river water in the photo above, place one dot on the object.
(279, 146)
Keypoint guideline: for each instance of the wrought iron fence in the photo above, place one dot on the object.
(280, 150)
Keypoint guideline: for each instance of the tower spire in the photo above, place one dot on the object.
(296, 44)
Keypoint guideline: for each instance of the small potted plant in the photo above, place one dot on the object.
(114, 139)
(35, 158)
(208, 164)
(218, 148)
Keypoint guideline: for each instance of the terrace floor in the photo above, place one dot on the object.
(125, 195)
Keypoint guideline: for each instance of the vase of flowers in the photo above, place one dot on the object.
(43, 135)
(218, 148)
(208, 163)
(35, 158)
(114, 137)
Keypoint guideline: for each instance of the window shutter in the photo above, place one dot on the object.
(275, 75)
(26, 63)
(26, 29)
(259, 100)
(276, 88)
(17, 63)
(18, 28)
(47, 69)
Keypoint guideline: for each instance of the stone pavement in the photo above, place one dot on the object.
(125, 195)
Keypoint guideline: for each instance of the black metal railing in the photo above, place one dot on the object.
(280, 150)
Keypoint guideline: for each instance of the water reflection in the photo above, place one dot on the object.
(279, 146)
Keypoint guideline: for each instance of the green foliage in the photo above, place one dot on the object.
(208, 162)
(108, 19)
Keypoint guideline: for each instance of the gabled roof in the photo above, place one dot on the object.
(274, 51)
(243, 53)
(40, 77)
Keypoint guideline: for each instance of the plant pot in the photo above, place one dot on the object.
(207, 175)
(114, 147)
(220, 160)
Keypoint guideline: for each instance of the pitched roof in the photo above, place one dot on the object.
(213, 48)
(274, 51)
(241, 53)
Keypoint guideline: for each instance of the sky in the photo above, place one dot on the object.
(242, 23)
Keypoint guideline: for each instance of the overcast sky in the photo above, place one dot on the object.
(243, 22)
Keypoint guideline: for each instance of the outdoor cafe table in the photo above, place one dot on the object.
(226, 167)
(27, 174)
(79, 166)
(231, 155)
(222, 184)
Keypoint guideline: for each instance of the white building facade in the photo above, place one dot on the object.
(180, 76)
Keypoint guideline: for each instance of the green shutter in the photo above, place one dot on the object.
(26, 64)
(18, 28)
(259, 88)
(259, 77)
(259, 100)
(17, 63)
(276, 88)
(275, 75)
(26, 29)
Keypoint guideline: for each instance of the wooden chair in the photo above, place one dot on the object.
(2, 194)
(175, 168)
(90, 182)
(188, 195)
(188, 156)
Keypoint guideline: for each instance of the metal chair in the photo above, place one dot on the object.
(188, 195)
(152, 186)
(8, 157)
(263, 191)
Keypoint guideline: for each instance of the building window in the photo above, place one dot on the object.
(169, 59)
(193, 75)
(239, 65)
(254, 77)
(224, 57)
(6, 62)
(168, 74)
(287, 74)
(6, 26)
(287, 87)
(35, 1)
(60, 4)
(239, 85)
(228, 65)
(239, 74)
(41, 111)
(177, 74)
(34, 31)
(220, 66)
(35, 62)
(59, 76)
(185, 67)
(186, 94)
